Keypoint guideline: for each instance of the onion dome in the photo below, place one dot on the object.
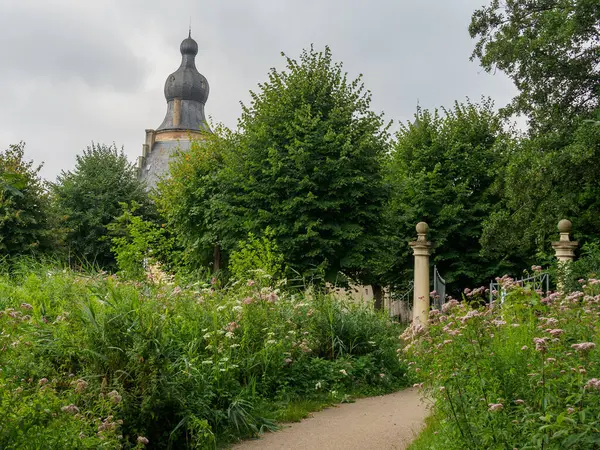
(186, 83)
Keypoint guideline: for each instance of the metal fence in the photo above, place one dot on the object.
(439, 286)
(400, 307)
(539, 281)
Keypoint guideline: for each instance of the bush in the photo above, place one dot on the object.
(523, 374)
(188, 367)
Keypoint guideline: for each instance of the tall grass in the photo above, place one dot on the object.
(92, 361)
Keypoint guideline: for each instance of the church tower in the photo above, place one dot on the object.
(186, 91)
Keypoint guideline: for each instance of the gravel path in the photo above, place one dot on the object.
(376, 423)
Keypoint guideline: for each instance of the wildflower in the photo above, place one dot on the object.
(343, 372)
(71, 409)
(26, 306)
(318, 385)
(418, 385)
(536, 268)
(495, 406)
(115, 397)
(498, 322)
(207, 362)
(583, 347)
(570, 410)
(449, 305)
(43, 381)
(442, 388)
(551, 360)
(541, 344)
(80, 385)
(594, 383)
(288, 361)
(519, 402)
(272, 297)
(143, 440)
(555, 332)
(382, 375)
(229, 335)
(251, 283)
(247, 300)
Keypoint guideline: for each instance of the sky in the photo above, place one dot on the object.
(75, 72)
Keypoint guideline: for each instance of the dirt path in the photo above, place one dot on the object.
(382, 423)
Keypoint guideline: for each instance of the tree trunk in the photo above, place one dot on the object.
(378, 296)
(216, 258)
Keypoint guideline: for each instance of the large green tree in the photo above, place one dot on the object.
(551, 51)
(442, 171)
(311, 166)
(26, 218)
(89, 198)
(197, 200)
(550, 176)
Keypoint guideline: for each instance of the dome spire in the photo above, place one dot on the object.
(186, 91)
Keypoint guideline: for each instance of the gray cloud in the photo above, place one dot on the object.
(73, 71)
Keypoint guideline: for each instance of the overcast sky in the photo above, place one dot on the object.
(77, 71)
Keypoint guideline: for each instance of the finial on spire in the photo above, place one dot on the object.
(190, 34)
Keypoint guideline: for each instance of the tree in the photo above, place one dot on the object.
(198, 202)
(550, 49)
(442, 171)
(311, 167)
(90, 196)
(26, 219)
(550, 176)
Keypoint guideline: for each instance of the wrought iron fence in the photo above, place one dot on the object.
(400, 306)
(539, 282)
(439, 286)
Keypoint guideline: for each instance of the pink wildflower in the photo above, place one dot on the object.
(143, 440)
(541, 344)
(583, 347)
(71, 409)
(495, 406)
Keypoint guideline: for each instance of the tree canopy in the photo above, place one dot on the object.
(549, 48)
(442, 170)
(89, 197)
(26, 220)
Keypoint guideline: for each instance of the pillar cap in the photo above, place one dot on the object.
(422, 228)
(565, 226)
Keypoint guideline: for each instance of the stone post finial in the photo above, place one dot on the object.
(421, 251)
(564, 248)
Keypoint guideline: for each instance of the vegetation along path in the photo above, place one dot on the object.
(386, 422)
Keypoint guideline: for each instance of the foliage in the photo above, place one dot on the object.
(257, 255)
(548, 177)
(26, 216)
(442, 171)
(310, 166)
(550, 49)
(523, 374)
(90, 197)
(137, 243)
(92, 361)
(197, 199)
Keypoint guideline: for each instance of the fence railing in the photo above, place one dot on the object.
(539, 281)
(400, 306)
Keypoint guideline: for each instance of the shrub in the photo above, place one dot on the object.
(187, 367)
(518, 375)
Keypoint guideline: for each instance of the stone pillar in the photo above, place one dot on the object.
(421, 251)
(564, 250)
